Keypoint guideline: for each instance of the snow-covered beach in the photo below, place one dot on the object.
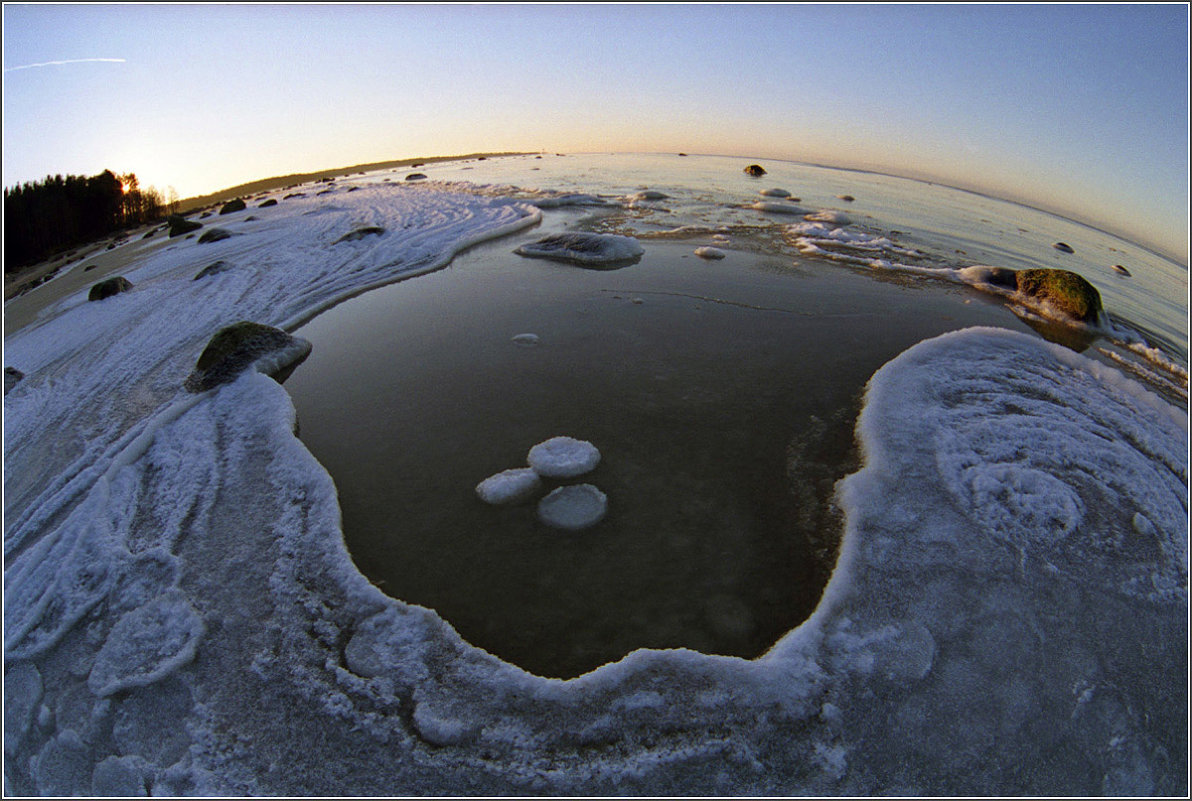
(1008, 614)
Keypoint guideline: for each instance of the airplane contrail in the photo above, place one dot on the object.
(67, 61)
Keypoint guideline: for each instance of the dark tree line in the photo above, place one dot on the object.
(45, 217)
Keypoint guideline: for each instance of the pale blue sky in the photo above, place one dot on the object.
(1078, 108)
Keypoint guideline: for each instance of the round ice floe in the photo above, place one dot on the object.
(509, 486)
(584, 248)
(710, 253)
(563, 457)
(573, 508)
(147, 644)
(528, 340)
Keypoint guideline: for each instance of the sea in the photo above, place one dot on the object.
(720, 374)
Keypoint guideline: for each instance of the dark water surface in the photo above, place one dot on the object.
(722, 396)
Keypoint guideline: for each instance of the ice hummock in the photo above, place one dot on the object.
(584, 248)
(956, 642)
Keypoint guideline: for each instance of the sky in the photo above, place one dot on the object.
(1079, 109)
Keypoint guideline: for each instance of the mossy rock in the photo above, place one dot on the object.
(756, 170)
(242, 345)
(213, 235)
(109, 287)
(360, 233)
(1063, 290)
(233, 205)
(180, 225)
(267, 204)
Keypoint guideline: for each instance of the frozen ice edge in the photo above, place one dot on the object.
(400, 701)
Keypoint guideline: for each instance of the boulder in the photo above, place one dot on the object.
(846, 198)
(598, 251)
(294, 194)
(1063, 247)
(236, 348)
(109, 287)
(415, 176)
(213, 235)
(755, 170)
(180, 225)
(1063, 290)
(90, 267)
(267, 204)
(233, 205)
(360, 233)
(1120, 270)
(11, 376)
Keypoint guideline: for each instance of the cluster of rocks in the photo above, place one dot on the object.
(572, 507)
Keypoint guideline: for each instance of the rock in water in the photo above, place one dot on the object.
(775, 193)
(709, 253)
(573, 508)
(755, 170)
(109, 287)
(213, 235)
(525, 340)
(563, 457)
(242, 345)
(1063, 290)
(415, 176)
(360, 233)
(586, 249)
(232, 205)
(1119, 269)
(846, 198)
(1063, 247)
(179, 225)
(212, 269)
(11, 376)
(509, 486)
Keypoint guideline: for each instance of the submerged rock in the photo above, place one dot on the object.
(774, 192)
(212, 269)
(11, 376)
(525, 340)
(233, 205)
(647, 194)
(509, 486)
(573, 508)
(180, 225)
(1063, 247)
(778, 207)
(242, 345)
(834, 217)
(109, 287)
(563, 457)
(214, 235)
(1063, 290)
(755, 170)
(360, 233)
(586, 249)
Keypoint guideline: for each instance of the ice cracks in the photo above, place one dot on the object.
(572, 508)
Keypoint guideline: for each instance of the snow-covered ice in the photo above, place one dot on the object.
(182, 617)
(509, 486)
(563, 457)
(574, 507)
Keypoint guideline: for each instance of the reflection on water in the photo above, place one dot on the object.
(721, 396)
